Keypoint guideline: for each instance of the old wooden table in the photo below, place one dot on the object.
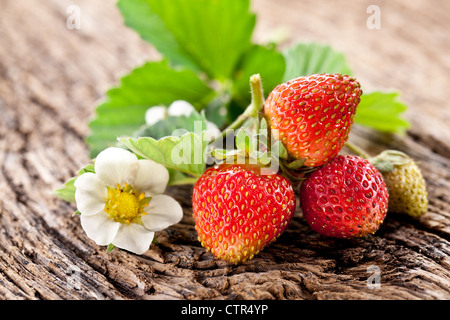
(50, 80)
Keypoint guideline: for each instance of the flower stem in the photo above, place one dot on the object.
(357, 150)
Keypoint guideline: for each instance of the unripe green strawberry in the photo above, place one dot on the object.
(345, 198)
(312, 115)
(405, 182)
(237, 211)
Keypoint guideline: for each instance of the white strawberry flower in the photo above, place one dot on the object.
(178, 108)
(122, 202)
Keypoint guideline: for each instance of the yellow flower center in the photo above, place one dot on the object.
(125, 205)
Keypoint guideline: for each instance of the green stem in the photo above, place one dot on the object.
(257, 104)
(257, 96)
(252, 110)
(269, 131)
(257, 125)
(355, 149)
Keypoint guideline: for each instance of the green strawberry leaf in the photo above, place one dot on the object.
(279, 151)
(177, 178)
(152, 84)
(222, 154)
(217, 110)
(139, 16)
(202, 34)
(185, 154)
(67, 191)
(110, 248)
(383, 112)
(306, 59)
(244, 142)
(173, 125)
(88, 168)
(267, 62)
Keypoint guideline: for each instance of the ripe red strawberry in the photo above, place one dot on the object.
(312, 115)
(238, 211)
(345, 198)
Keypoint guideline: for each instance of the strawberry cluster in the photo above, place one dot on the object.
(238, 211)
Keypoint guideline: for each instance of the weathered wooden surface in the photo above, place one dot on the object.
(50, 80)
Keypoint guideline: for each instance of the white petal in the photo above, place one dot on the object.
(180, 108)
(133, 237)
(155, 114)
(116, 166)
(100, 227)
(90, 194)
(151, 178)
(162, 212)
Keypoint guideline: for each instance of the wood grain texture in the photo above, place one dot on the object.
(52, 77)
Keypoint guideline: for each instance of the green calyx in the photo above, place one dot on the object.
(388, 159)
(251, 147)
